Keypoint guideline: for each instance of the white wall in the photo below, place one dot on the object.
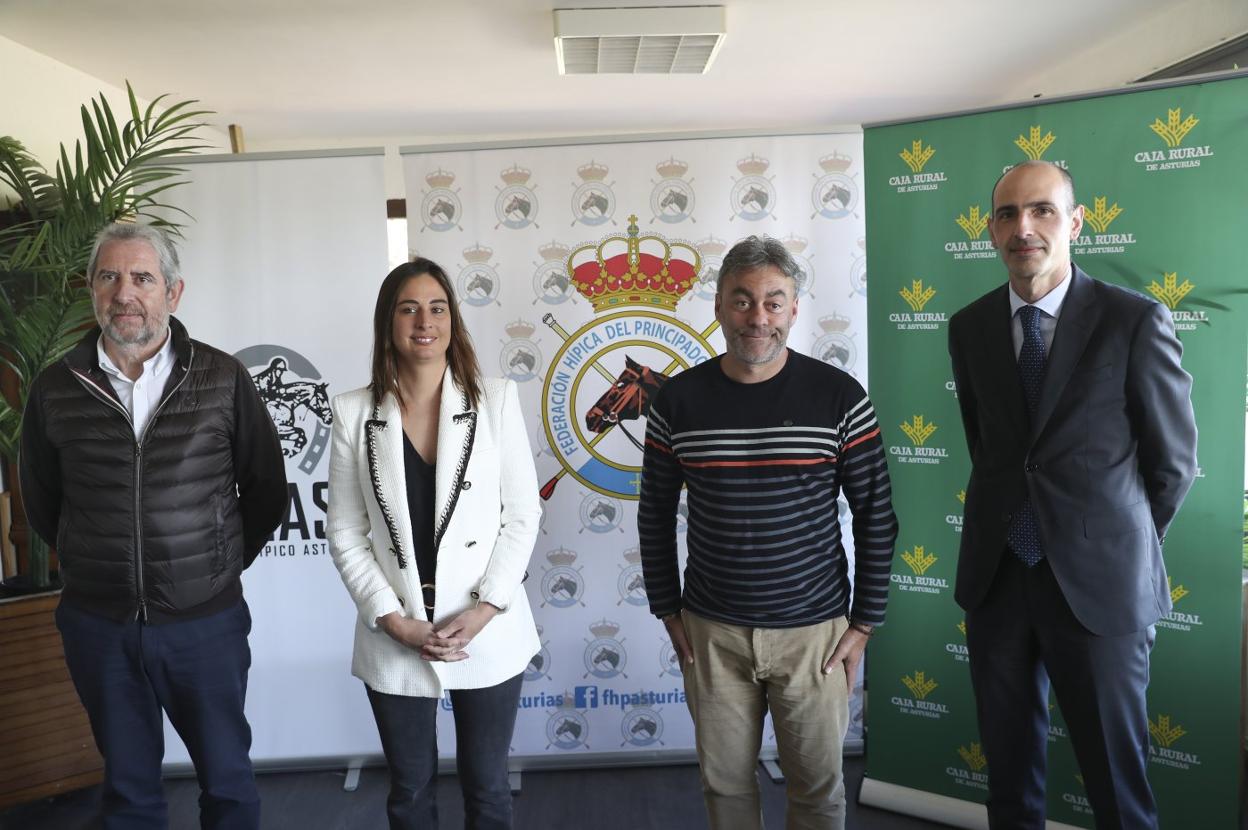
(39, 105)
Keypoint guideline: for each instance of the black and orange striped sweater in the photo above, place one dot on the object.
(764, 464)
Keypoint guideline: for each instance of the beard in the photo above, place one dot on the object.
(132, 332)
(755, 352)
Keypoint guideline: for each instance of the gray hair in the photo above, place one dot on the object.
(755, 252)
(1066, 177)
(166, 253)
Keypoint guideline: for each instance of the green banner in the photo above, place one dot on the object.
(1163, 174)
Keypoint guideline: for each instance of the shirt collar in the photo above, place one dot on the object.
(153, 365)
(1050, 304)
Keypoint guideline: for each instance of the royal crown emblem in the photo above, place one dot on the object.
(515, 176)
(834, 323)
(440, 178)
(835, 163)
(633, 556)
(593, 172)
(712, 246)
(671, 169)
(795, 244)
(604, 629)
(623, 274)
(521, 329)
(554, 251)
(753, 165)
(561, 558)
(478, 253)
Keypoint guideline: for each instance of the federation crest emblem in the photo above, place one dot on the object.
(566, 727)
(295, 401)
(552, 284)
(593, 200)
(605, 656)
(562, 583)
(797, 247)
(834, 346)
(600, 514)
(642, 726)
(606, 373)
(669, 660)
(520, 358)
(539, 665)
(858, 270)
(631, 583)
(516, 203)
(712, 251)
(478, 282)
(752, 196)
(672, 199)
(835, 194)
(440, 207)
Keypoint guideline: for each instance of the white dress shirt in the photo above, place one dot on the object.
(140, 397)
(1050, 306)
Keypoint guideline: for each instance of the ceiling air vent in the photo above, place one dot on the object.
(663, 41)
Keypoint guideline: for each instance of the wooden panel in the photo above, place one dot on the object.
(48, 748)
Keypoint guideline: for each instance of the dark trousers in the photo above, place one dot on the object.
(1023, 636)
(484, 722)
(196, 671)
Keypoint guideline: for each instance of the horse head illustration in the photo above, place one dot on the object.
(627, 400)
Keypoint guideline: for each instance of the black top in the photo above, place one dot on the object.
(420, 490)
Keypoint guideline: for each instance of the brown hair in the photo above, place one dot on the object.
(460, 355)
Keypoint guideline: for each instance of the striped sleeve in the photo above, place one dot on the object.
(864, 481)
(661, 481)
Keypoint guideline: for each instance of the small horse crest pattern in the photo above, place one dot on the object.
(858, 270)
(797, 246)
(835, 346)
(539, 664)
(566, 727)
(478, 282)
(672, 199)
(516, 203)
(520, 358)
(601, 514)
(296, 401)
(552, 284)
(440, 208)
(593, 200)
(604, 655)
(753, 197)
(562, 583)
(835, 194)
(669, 660)
(712, 251)
(631, 582)
(641, 726)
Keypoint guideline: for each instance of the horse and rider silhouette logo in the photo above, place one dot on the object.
(296, 400)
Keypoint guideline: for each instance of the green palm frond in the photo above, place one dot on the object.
(114, 172)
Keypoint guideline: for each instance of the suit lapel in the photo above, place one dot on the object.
(1074, 328)
(999, 351)
(384, 437)
(457, 427)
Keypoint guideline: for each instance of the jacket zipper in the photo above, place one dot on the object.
(96, 392)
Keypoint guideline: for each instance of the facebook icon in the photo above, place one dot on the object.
(586, 697)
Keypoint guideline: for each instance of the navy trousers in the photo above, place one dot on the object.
(196, 671)
(484, 722)
(1023, 636)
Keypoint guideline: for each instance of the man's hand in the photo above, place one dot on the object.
(680, 640)
(449, 641)
(847, 655)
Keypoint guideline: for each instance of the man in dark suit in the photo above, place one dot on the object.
(1083, 444)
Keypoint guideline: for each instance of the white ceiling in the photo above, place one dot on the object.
(331, 72)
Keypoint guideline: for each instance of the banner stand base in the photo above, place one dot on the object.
(939, 808)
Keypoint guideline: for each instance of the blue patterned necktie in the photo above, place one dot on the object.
(1024, 536)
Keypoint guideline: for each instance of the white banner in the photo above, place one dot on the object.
(504, 223)
(282, 263)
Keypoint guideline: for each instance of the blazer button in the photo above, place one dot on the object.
(1031, 468)
(470, 543)
(402, 603)
(467, 485)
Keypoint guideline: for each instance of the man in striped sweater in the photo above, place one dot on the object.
(765, 439)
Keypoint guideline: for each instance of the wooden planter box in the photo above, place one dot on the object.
(46, 746)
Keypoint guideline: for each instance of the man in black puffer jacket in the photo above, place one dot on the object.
(151, 463)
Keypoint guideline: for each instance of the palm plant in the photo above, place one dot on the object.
(115, 174)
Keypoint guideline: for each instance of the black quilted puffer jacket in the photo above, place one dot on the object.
(159, 527)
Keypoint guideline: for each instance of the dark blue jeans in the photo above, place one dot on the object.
(484, 722)
(127, 673)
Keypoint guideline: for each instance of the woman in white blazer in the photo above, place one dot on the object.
(433, 512)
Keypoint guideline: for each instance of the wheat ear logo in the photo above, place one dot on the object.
(962, 496)
(1164, 732)
(974, 757)
(962, 627)
(1033, 144)
(918, 430)
(916, 296)
(1171, 291)
(973, 223)
(920, 685)
(1175, 128)
(917, 156)
(1177, 592)
(919, 561)
(1101, 217)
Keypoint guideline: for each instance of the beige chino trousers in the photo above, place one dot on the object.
(738, 673)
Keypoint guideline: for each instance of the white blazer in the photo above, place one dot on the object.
(487, 512)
